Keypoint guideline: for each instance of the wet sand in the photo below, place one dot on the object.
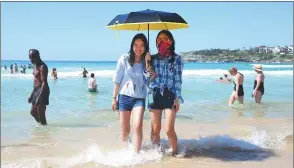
(241, 142)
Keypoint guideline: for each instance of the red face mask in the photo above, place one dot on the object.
(163, 48)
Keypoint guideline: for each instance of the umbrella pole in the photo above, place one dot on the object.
(148, 36)
(148, 62)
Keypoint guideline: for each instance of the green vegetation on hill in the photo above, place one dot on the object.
(226, 55)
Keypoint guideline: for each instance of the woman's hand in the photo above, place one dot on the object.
(152, 74)
(148, 60)
(30, 99)
(114, 105)
(176, 105)
(254, 93)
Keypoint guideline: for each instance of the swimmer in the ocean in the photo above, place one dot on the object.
(238, 92)
(84, 73)
(221, 79)
(92, 86)
(23, 69)
(54, 73)
(15, 67)
(11, 68)
(30, 66)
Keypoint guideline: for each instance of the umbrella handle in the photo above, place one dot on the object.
(147, 60)
(115, 33)
(148, 64)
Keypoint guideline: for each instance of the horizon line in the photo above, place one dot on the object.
(64, 60)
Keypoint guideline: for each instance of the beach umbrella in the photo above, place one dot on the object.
(147, 20)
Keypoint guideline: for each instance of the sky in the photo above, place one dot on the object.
(77, 31)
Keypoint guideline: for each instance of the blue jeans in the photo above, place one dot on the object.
(127, 103)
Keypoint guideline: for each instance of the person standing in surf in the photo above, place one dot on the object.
(40, 94)
(130, 85)
(238, 92)
(258, 84)
(84, 73)
(92, 85)
(166, 88)
(11, 68)
(54, 73)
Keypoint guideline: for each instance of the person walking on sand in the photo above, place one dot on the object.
(258, 84)
(40, 94)
(130, 85)
(238, 92)
(166, 88)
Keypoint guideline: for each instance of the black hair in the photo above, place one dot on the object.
(34, 53)
(171, 48)
(132, 53)
(92, 75)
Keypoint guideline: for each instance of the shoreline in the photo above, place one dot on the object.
(235, 141)
(185, 61)
(260, 62)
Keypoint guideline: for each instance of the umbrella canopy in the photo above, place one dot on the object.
(148, 20)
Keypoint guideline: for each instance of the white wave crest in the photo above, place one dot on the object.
(245, 72)
(276, 66)
(202, 72)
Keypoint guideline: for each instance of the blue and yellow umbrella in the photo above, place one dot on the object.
(147, 20)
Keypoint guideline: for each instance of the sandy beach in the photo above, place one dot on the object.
(223, 144)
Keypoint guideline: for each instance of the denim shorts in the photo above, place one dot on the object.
(161, 102)
(127, 103)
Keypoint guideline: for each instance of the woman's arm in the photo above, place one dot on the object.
(258, 81)
(117, 79)
(115, 91)
(178, 79)
(228, 79)
(119, 74)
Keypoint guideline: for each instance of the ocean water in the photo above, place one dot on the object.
(73, 111)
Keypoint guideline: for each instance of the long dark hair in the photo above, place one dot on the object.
(171, 48)
(132, 53)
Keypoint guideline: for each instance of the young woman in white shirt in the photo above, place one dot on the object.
(130, 90)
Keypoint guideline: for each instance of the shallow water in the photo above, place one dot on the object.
(83, 131)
